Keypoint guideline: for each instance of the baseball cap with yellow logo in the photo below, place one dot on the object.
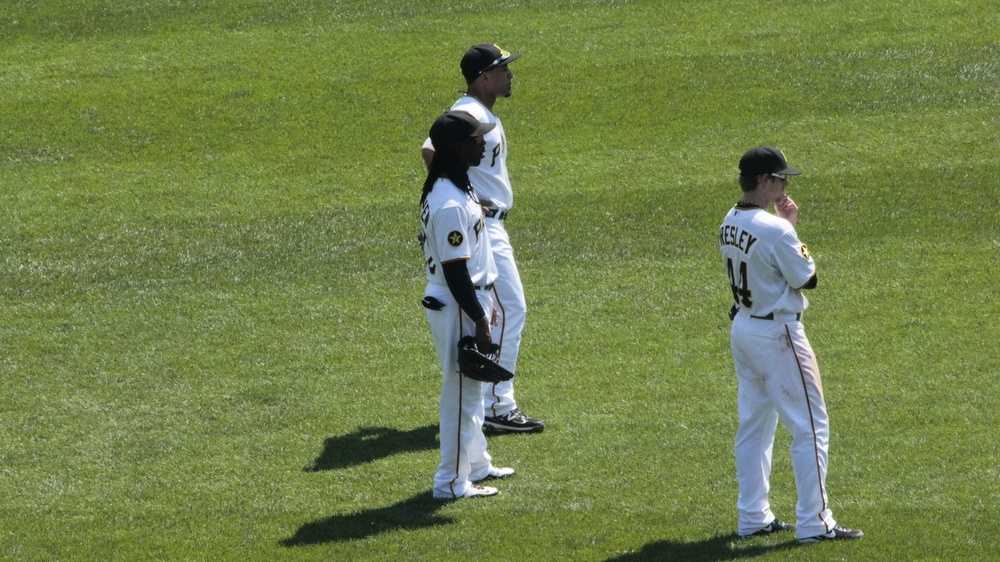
(482, 57)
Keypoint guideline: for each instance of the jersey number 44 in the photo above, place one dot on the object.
(740, 286)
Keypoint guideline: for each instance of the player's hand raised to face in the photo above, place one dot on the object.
(787, 209)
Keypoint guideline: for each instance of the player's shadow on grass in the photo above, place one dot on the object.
(720, 547)
(417, 512)
(370, 443)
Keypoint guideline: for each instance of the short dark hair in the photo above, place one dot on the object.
(748, 183)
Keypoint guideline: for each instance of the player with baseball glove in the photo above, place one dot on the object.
(480, 366)
(459, 303)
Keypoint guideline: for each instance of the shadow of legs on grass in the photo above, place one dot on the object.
(417, 512)
(370, 443)
(719, 547)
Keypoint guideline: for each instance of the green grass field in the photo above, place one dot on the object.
(210, 337)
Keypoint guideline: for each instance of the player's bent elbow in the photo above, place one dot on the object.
(811, 283)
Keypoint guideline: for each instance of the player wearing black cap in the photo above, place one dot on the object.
(458, 299)
(488, 78)
(777, 375)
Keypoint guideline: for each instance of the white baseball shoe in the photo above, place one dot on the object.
(476, 491)
(496, 472)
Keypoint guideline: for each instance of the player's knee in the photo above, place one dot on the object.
(513, 311)
(806, 439)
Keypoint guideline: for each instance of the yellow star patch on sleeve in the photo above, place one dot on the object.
(455, 238)
(805, 252)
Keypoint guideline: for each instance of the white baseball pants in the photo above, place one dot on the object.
(778, 378)
(509, 315)
(463, 445)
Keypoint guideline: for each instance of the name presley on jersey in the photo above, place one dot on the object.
(731, 235)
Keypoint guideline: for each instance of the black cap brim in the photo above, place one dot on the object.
(457, 126)
(790, 171)
(504, 60)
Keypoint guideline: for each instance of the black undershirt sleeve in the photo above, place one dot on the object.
(811, 283)
(456, 274)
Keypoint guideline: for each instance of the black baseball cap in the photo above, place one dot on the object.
(482, 57)
(765, 160)
(455, 126)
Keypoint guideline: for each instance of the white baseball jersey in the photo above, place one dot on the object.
(453, 228)
(777, 373)
(490, 178)
(766, 262)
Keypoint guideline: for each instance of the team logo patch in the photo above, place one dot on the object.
(455, 238)
(805, 252)
(503, 52)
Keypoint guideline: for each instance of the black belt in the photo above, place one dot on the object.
(770, 316)
(496, 214)
(483, 287)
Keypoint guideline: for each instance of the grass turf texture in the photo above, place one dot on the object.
(211, 343)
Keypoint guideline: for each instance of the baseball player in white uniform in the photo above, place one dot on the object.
(778, 378)
(459, 299)
(488, 77)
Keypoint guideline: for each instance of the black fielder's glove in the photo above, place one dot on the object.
(478, 365)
